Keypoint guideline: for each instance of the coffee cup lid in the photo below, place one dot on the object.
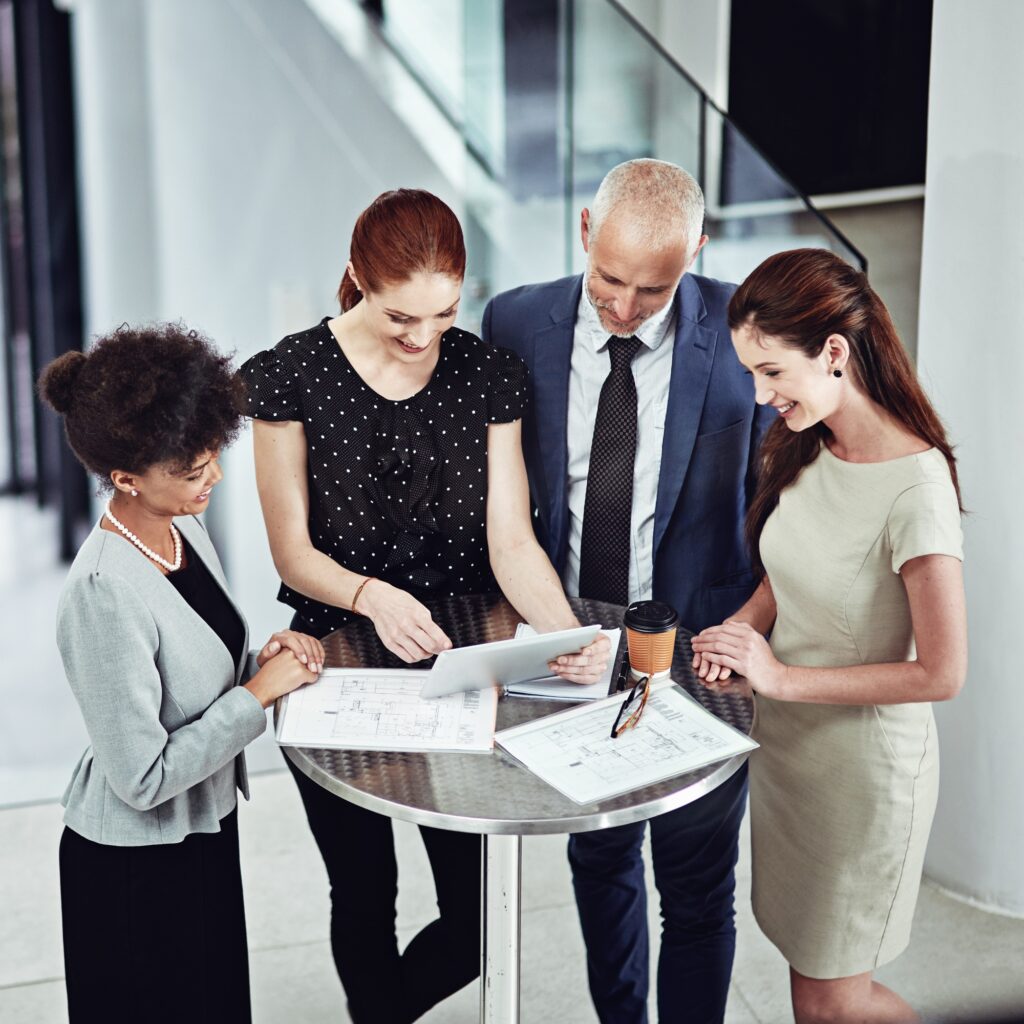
(650, 617)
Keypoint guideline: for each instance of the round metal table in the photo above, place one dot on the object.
(492, 794)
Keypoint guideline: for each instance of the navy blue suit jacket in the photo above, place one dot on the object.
(712, 430)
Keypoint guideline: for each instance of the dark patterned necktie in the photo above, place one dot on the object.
(607, 511)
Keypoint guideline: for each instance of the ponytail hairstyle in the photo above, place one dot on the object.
(801, 297)
(402, 233)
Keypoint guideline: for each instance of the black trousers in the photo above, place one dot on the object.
(382, 985)
(155, 933)
(694, 850)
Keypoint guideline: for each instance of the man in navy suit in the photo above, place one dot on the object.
(638, 348)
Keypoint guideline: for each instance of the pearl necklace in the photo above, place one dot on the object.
(149, 552)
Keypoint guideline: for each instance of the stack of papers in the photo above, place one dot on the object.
(381, 709)
(573, 751)
(559, 689)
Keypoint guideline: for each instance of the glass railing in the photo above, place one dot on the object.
(545, 97)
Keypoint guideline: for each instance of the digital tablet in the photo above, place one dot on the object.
(502, 662)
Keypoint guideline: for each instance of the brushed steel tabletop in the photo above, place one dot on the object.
(492, 793)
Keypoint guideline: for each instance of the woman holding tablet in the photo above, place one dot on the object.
(390, 470)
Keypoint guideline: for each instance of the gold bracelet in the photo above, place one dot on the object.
(359, 590)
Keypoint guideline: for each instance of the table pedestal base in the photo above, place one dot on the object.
(500, 928)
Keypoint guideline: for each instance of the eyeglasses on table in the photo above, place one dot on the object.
(633, 706)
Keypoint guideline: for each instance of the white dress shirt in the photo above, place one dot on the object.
(652, 369)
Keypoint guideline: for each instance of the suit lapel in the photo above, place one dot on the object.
(692, 359)
(552, 355)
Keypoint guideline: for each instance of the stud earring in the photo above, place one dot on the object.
(837, 373)
(135, 493)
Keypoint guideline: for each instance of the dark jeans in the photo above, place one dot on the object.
(383, 986)
(155, 933)
(694, 850)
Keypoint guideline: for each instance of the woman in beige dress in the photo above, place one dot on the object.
(856, 525)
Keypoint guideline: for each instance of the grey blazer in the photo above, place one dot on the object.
(160, 695)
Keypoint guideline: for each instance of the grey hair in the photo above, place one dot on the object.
(662, 201)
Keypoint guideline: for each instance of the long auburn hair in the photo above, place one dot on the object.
(401, 233)
(801, 297)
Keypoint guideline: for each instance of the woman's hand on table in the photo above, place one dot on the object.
(587, 665)
(306, 648)
(280, 674)
(714, 677)
(404, 625)
(727, 683)
(736, 648)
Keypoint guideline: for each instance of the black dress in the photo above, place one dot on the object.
(157, 933)
(201, 591)
(397, 489)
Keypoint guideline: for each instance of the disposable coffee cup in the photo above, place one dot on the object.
(651, 638)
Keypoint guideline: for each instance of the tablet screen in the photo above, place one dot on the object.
(503, 662)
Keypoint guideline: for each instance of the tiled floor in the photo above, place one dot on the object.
(41, 733)
(962, 962)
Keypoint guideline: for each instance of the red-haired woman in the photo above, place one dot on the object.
(856, 524)
(390, 470)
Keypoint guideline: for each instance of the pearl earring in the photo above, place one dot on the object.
(135, 493)
(837, 373)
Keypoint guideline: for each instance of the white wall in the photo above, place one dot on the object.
(972, 358)
(114, 157)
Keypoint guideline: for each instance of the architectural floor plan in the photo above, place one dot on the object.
(574, 752)
(379, 709)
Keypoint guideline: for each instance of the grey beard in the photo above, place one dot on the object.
(597, 309)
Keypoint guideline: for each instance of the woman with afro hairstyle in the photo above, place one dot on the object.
(156, 653)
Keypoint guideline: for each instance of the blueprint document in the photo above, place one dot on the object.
(574, 752)
(381, 709)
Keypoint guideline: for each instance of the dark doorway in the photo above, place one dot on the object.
(834, 92)
(39, 251)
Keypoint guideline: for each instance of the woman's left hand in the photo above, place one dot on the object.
(739, 647)
(585, 666)
(307, 649)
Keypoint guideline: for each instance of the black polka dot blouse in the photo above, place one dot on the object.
(397, 489)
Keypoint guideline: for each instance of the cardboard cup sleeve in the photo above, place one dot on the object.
(650, 654)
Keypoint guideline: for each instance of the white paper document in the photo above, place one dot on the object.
(574, 752)
(380, 709)
(552, 686)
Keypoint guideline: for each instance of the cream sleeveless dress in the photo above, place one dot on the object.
(842, 798)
